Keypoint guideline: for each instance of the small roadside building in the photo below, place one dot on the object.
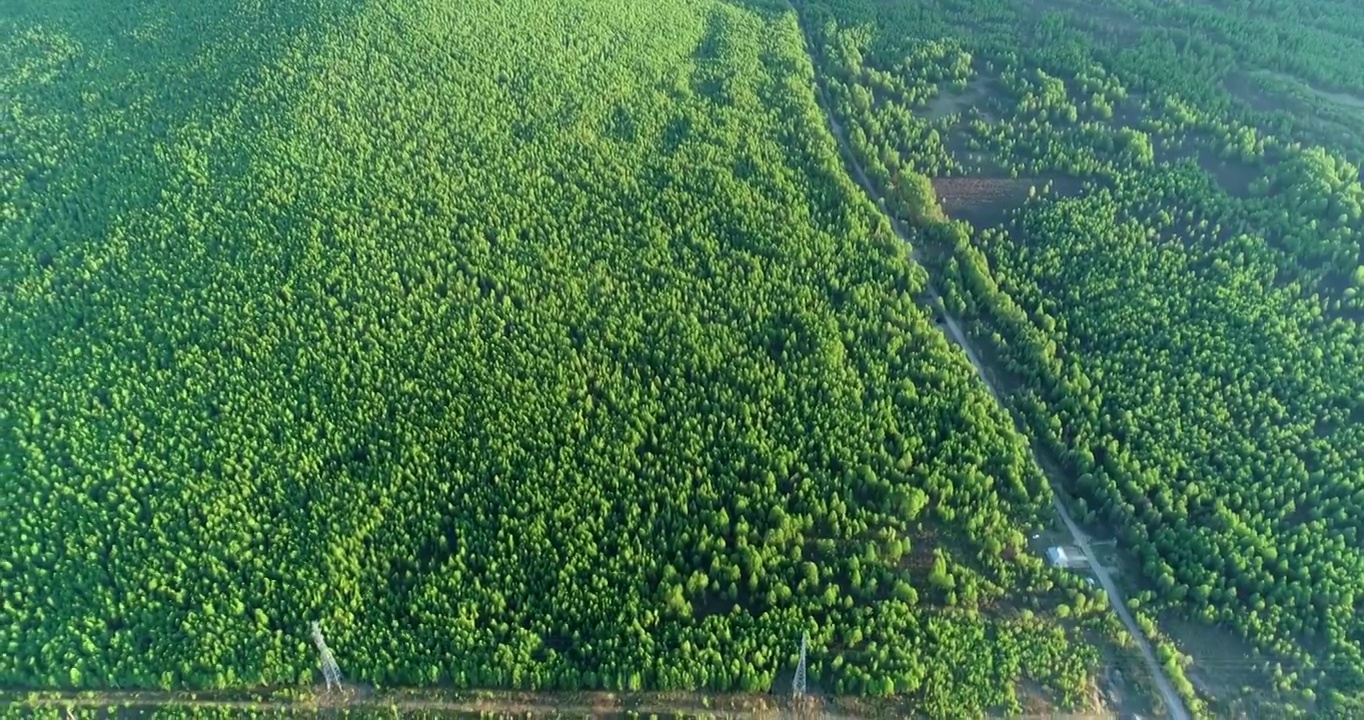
(1065, 556)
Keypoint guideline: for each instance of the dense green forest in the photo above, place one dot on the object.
(1164, 255)
(541, 344)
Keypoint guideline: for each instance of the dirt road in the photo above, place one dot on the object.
(365, 703)
(1173, 702)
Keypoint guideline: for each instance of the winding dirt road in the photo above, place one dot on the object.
(1173, 702)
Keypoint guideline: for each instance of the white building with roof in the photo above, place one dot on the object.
(1065, 556)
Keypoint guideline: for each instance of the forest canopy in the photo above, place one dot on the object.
(543, 345)
(1164, 255)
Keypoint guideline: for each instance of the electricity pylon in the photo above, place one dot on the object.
(803, 705)
(330, 672)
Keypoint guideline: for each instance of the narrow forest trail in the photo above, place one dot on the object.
(1173, 702)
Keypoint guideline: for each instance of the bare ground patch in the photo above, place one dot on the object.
(1233, 176)
(1131, 111)
(982, 201)
(1118, 690)
(950, 101)
(1223, 666)
(986, 201)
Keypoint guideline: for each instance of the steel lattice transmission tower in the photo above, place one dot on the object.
(330, 672)
(798, 682)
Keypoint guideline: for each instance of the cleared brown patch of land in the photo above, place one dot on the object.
(1118, 688)
(986, 201)
(982, 201)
